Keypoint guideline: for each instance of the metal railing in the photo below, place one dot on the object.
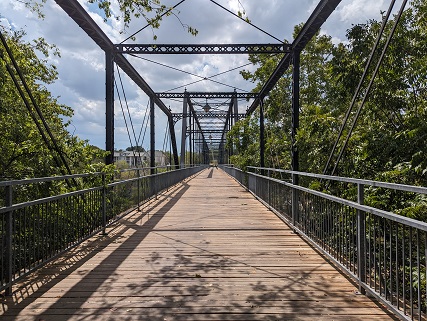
(384, 252)
(40, 219)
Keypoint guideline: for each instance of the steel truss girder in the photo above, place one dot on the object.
(83, 19)
(203, 48)
(323, 10)
(200, 115)
(207, 95)
(208, 131)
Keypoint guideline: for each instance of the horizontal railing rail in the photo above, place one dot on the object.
(35, 231)
(383, 251)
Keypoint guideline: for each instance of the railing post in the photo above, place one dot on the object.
(139, 190)
(361, 239)
(9, 241)
(268, 187)
(294, 200)
(104, 205)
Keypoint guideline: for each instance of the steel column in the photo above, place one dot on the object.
(190, 140)
(261, 134)
(109, 107)
(152, 137)
(184, 129)
(236, 109)
(173, 141)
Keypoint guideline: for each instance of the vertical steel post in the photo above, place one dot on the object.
(104, 205)
(190, 140)
(236, 117)
(236, 108)
(261, 135)
(361, 239)
(153, 178)
(139, 189)
(184, 129)
(152, 136)
(173, 141)
(9, 241)
(295, 126)
(109, 107)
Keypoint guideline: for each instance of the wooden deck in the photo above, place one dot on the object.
(205, 250)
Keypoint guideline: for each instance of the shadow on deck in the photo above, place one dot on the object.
(204, 250)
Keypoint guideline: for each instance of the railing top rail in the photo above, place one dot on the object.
(67, 177)
(145, 168)
(400, 187)
(365, 208)
(45, 179)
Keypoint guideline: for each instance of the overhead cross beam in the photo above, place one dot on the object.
(207, 95)
(84, 20)
(313, 24)
(201, 115)
(203, 49)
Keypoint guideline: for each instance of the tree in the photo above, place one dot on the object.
(152, 11)
(24, 151)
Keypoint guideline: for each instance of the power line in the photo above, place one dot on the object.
(248, 22)
(148, 24)
(187, 72)
(221, 73)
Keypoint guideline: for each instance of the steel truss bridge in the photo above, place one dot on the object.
(383, 252)
(115, 54)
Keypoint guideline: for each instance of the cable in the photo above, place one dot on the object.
(221, 73)
(146, 126)
(356, 94)
(246, 21)
(148, 24)
(129, 115)
(142, 125)
(123, 113)
(186, 72)
(368, 90)
(166, 66)
(165, 139)
(36, 107)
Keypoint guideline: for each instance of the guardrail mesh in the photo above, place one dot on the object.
(34, 230)
(384, 252)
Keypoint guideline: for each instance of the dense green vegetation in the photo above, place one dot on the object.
(24, 152)
(388, 142)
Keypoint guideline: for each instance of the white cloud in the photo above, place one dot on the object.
(360, 11)
(81, 68)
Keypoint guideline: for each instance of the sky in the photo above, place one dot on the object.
(81, 67)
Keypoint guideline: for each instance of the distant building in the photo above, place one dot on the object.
(140, 159)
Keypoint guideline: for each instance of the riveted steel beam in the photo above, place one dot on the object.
(203, 48)
(200, 115)
(208, 95)
(84, 20)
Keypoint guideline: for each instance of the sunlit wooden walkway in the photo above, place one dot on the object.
(206, 250)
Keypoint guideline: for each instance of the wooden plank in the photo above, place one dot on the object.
(216, 254)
